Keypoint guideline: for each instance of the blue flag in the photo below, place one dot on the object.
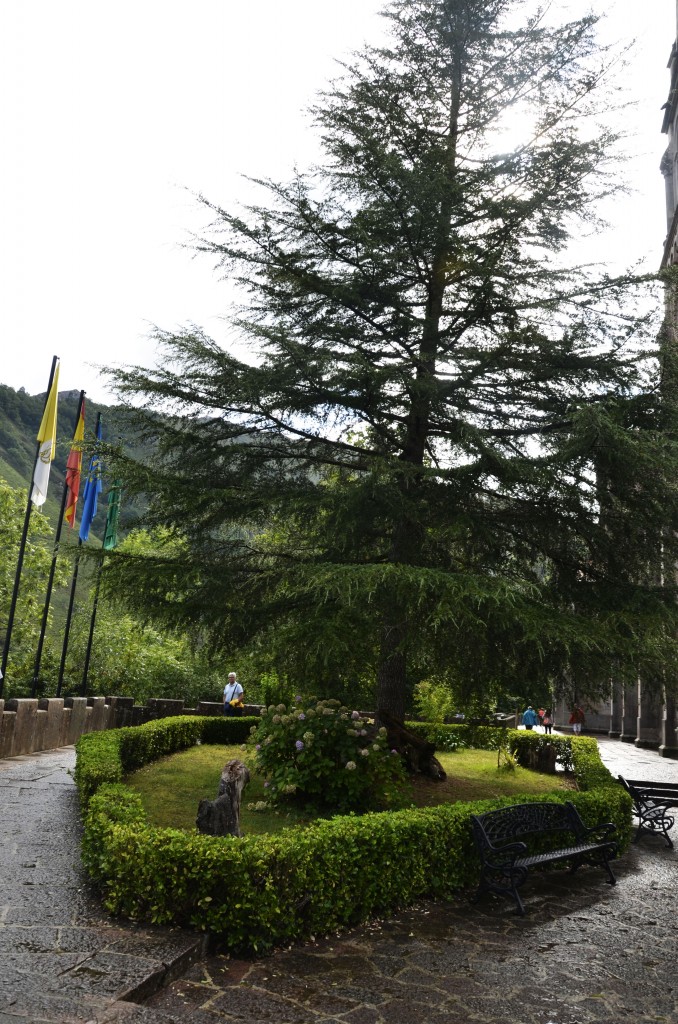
(93, 487)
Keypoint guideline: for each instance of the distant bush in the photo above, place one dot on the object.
(433, 701)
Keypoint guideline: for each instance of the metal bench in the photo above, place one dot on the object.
(651, 801)
(506, 858)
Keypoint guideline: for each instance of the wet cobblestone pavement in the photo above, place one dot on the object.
(62, 959)
(586, 953)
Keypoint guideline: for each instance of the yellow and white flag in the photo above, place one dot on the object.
(47, 439)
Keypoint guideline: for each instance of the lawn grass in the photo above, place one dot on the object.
(172, 787)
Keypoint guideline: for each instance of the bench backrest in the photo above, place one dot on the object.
(643, 790)
(496, 828)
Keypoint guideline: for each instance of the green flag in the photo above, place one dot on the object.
(112, 516)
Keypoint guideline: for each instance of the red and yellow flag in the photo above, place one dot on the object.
(74, 467)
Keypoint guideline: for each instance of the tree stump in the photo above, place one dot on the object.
(418, 753)
(548, 756)
(221, 817)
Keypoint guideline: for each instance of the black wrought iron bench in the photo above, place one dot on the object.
(506, 858)
(651, 802)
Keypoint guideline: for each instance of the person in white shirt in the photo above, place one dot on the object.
(232, 691)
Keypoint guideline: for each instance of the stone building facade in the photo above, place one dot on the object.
(634, 713)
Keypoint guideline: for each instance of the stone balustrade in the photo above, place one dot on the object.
(31, 724)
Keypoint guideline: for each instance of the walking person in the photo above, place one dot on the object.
(547, 721)
(577, 719)
(233, 695)
(530, 717)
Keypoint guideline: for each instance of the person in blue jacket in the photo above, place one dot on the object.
(530, 717)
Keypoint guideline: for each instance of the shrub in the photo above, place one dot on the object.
(524, 741)
(261, 891)
(321, 754)
(453, 737)
(433, 701)
(107, 756)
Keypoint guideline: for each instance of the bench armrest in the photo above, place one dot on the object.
(605, 829)
(499, 857)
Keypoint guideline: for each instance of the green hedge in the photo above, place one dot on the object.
(260, 891)
(108, 756)
(448, 737)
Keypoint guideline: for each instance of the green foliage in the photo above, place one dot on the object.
(227, 730)
(445, 450)
(35, 571)
(105, 757)
(522, 742)
(322, 754)
(433, 701)
(450, 737)
(506, 759)
(132, 658)
(275, 689)
(261, 891)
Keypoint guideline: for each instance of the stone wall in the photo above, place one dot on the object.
(634, 714)
(31, 724)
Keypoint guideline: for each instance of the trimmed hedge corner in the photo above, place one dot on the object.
(260, 891)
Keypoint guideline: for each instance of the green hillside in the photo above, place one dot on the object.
(20, 415)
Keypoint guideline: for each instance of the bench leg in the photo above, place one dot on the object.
(654, 825)
(610, 873)
(508, 889)
(601, 861)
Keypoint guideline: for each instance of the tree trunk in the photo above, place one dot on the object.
(391, 674)
(417, 752)
(221, 817)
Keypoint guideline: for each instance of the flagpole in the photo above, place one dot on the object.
(88, 512)
(69, 616)
(109, 542)
(22, 547)
(83, 685)
(55, 554)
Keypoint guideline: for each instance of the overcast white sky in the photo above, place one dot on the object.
(111, 115)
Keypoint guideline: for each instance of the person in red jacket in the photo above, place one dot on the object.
(577, 719)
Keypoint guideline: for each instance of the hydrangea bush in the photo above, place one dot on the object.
(321, 754)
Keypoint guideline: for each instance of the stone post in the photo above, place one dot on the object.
(120, 711)
(630, 714)
(616, 711)
(26, 709)
(7, 731)
(54, 712)
(649, 718)
(97, 718)
(669, 728)
(76, 726)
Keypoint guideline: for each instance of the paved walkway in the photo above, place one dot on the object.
(62, 959)
(586, 953)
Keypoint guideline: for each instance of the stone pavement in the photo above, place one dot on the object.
(62, 959)
(586, 953)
